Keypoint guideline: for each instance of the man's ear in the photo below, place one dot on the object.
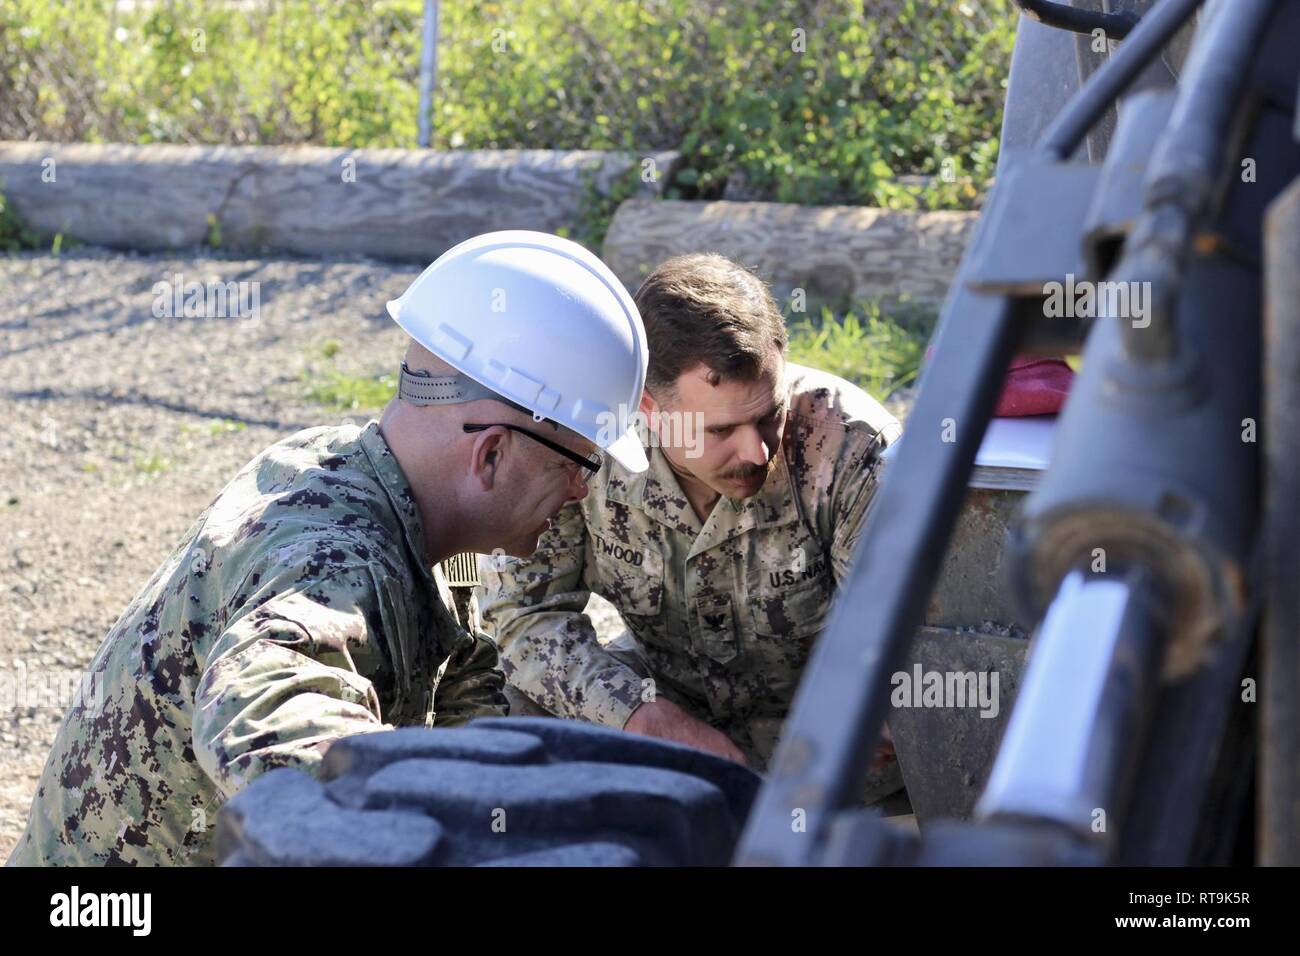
(485, 460)
(648, 405)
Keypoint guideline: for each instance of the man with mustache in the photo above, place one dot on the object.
(307, 603)
(724, 556)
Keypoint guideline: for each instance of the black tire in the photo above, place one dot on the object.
(522, 791)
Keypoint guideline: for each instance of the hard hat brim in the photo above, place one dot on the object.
(628, 451)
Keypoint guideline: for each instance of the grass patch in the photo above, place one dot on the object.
(222, 426)
(14, 234)
(153, 465)
(343, 391)
(862, 344)
(225, 426)
(347, 393)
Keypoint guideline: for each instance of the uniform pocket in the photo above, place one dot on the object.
(785, 626)
(798, 612)
(715, 631)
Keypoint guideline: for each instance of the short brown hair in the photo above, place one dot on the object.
(705, 309)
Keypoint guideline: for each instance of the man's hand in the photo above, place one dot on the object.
(665, 720)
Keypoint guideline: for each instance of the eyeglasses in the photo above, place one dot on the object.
(590, 462)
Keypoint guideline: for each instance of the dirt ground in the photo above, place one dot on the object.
(120, 427)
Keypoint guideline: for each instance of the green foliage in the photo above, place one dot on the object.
(14, 234)
(863, 345)
(214, 231)
(341, 391)
(222, 426)
(597, 207)
(345, 393)
(868, 92)
(211, 71)
(152, 465)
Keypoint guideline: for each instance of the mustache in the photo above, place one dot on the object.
(749, 471)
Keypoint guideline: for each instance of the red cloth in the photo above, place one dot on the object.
(1033, 386)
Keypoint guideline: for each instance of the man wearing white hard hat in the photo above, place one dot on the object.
(307, 603)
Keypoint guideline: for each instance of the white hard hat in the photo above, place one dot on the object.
(541, 322)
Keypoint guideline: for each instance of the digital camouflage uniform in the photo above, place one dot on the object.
(723, 615)
(297, 609)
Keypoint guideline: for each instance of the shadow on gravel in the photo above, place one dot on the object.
(72, 309)
(104, 327)
(134, 398)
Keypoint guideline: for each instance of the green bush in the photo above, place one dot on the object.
(812, 101)
(864, 345)
(14, 234)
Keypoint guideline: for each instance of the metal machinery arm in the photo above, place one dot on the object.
(1136, 668)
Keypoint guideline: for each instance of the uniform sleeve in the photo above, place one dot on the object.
(471, 684)
(854, 490)
(279, 684)
(534, 607)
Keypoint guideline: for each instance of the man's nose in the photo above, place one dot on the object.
(753, 448)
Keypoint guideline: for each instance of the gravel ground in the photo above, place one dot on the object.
(121, 427)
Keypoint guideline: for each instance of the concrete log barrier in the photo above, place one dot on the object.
(832, 252)
(405, 205)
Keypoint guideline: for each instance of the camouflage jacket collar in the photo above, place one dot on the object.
(657, 493)
(398, 489)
